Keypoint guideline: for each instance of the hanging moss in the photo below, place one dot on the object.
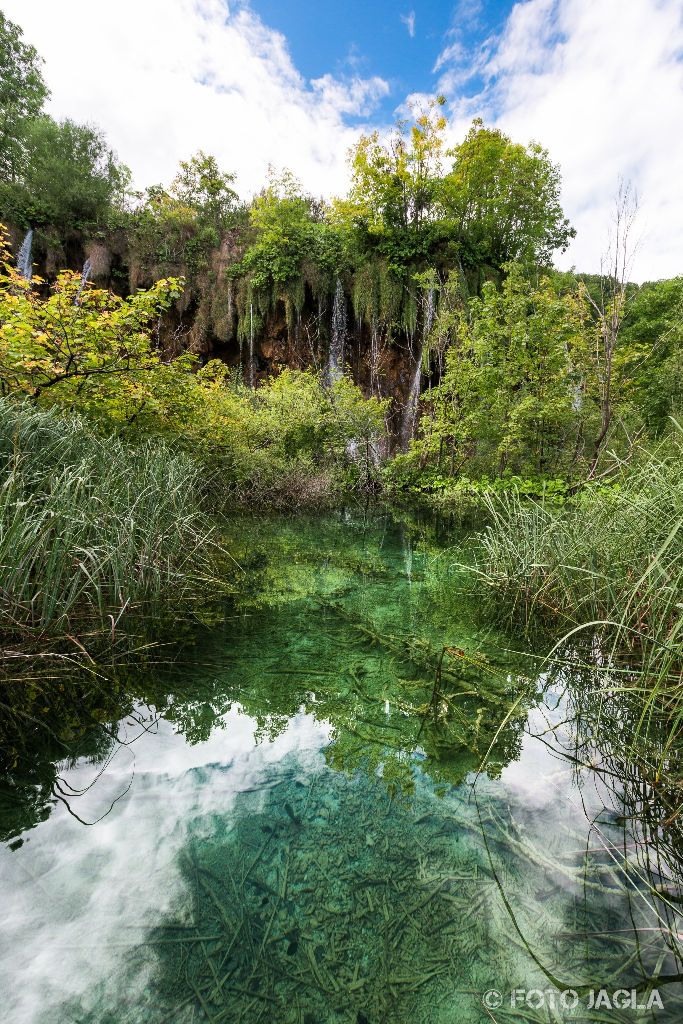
(390, 294)
(366, 293)
(293, 296)
(409, 311)
(201, 325)
(318, 278)
(380, 298)
(248, 309)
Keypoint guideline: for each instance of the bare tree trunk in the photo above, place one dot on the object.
(611, 307)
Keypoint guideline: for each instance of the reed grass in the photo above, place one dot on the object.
(607, 569)
(93, 531)
(609, 554)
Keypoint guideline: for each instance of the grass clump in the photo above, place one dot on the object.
(612, 554)
(607, 568)
(93, 532)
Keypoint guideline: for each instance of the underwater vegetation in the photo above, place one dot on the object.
(345, 803)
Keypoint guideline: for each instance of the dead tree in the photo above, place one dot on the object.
(610, 309)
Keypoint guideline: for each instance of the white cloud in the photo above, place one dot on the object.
(454, 53)
(70, 936)
(600, 84)
(164, 78)
(409, 22)
(359, 96)
(466, 15)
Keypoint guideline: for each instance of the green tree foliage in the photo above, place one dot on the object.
(504, 200)
(79, 347)
(393, 216)
(86, 350)
(512, 398)
(70, 181)
(499, 202)
(22, 94)
(201, 185)
(57, 175)
(407, 213)
(177, 228)
(541, 376)
(653, 331)
(288, 232)
(288, 246)
(395, 185)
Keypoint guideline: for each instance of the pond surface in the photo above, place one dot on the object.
(347, 802)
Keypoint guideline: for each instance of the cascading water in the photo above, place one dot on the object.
(374, 355)
(407, 548)
(429, 315)
(410, 411)
(335, 366)
(230, 303)
(87, 270)
(251, 345)
(24, 265)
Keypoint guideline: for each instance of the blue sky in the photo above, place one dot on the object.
(292, 84)
(400, 43)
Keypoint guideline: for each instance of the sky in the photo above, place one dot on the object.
(292, 84)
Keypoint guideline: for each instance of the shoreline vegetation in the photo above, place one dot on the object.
(598, 576)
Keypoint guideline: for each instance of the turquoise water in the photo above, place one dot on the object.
(347, 802)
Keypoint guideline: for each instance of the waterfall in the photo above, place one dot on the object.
(577, 400)
(410, 411)
(407, 545)
(335, 366)
(374, 355)
(251, 346)
(87, 270)
(230, 306)
(24, 265)
(411, 408)
(429, 315)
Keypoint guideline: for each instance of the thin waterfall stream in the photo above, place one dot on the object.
(24, 264)
(410, 411)
(335, 366)
(251, 370)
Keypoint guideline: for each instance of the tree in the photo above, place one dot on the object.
(394, 184)
(653, 336)
(178, 227)
(506, 401)
(201, 184)
(288, 232)
(609, 308)
(22, 95)
(499, 203)
(86, 350)
(53, 174)
(72, 178)
(80, 347)
(504, 200)
(394, 199)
